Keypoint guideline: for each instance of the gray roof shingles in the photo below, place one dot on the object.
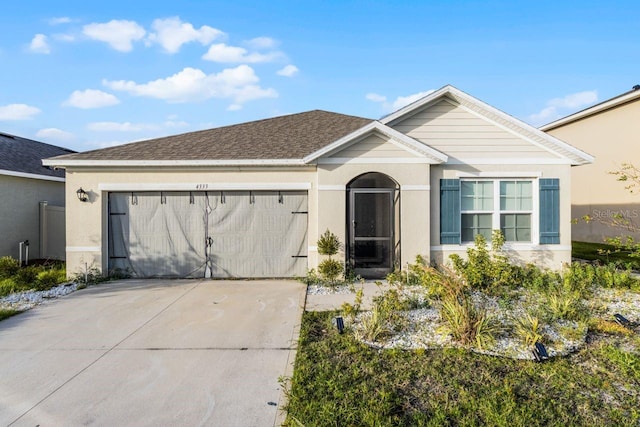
(25, 155)
(292, 136)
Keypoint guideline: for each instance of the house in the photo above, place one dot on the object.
(609, 131)
(30, 193)
(250, 200)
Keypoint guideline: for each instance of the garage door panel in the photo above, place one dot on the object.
(252, 234)
(164, 234)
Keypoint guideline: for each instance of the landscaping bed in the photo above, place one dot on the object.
(338, 380)
(456, 344)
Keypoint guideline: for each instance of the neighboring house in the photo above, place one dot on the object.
(609, 131)
(251, 200)
(29, 195)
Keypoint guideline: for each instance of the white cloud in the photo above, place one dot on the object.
(39, 44)
(172, 33)
(115, 127)
(559, 107)
(55, 134)
(134, 127)
(220, 52)
(119, 34)
(261, 43)
(91, 98)
(399, 102)
(191, 84)
(60, 20)
(403, 101)
(64, 37)
(288, 71)
(107, 144)
(375, 97)
(18, 112)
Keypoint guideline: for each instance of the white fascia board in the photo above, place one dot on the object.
(415, 147)
(508, 161)
(580, 156)
(373, 160)
(499, 174)
(31, 176)
(205, 186)
(611, 103)
(125, 163)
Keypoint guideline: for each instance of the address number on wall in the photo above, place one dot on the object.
(202, 186)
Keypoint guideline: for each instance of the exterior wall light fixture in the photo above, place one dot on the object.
(82, 195)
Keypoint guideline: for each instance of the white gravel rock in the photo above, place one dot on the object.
(325, 290)
(25, 300)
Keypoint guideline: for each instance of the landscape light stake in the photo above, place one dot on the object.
(340, 324)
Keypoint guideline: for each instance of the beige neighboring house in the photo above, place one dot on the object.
(609, 131)
(31, 199)
(251, 200)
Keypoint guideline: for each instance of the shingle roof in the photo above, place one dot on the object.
(25, 155)
(286, 137)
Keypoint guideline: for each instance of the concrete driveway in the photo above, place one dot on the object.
(152, 352)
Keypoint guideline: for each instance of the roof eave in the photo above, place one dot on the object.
(595, 109)
(62, 163)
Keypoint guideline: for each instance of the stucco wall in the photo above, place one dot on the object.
(550, 256)
(413, 179)
(20, 211)
(612, 138)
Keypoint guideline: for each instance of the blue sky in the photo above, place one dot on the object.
(87, 75)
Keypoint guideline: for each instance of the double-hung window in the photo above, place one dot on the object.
(490, 204)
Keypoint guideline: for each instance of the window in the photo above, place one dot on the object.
(486, 205)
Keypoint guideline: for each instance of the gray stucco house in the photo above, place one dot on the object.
(24, 184)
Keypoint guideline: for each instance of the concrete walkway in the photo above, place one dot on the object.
(335, 301)
(150, 353)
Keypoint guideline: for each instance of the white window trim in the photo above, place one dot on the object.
(496, 212)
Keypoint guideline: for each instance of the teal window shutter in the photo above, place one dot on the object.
(449, 211)
(549, 211)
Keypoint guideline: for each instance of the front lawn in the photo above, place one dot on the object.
(340, 381)
(603, 253)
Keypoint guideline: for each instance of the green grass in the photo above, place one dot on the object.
(339, 381)
(592, 252)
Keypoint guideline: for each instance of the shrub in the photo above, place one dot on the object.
(487, 270)
(8, 286)
(49, 278)
(328, 244)
(564, 305)
(27, 276)
(330, 270)
(467, 324)
(8, 267)
(527, 328)
(374, 325)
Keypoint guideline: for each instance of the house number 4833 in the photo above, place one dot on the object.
(202, 186)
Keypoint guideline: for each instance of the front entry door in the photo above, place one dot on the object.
(371, 236)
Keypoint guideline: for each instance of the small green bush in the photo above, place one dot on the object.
(328, 244)
(330, 270)
(466, 324)
(8, 267)
(27, 276)
(8, 286)
(49, 278)
(527, 328)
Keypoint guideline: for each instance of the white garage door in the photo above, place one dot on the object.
(209, 234)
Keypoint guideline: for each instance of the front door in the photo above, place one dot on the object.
(371, 239)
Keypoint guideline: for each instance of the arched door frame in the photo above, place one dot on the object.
(372, 205)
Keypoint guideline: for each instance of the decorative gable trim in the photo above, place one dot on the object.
(505, 121)
(401, 140)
